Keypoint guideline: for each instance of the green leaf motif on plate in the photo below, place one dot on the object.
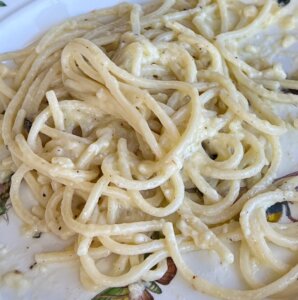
(141, 290)
(121, 293)
(2, 4)
(153, 287)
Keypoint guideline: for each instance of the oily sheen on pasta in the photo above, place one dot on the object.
(137, 119)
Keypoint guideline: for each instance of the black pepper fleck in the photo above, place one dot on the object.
(290, 91)
(37, 235)
(32, 266)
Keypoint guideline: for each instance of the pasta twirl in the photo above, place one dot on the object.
(139, 119)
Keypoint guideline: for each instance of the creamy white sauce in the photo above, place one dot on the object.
(250, 11)
(3, 251)
(276, 72)
(15, 280)
(42, 268)
(27, 230)
(136, 290)
(288, 23)
(288, 41)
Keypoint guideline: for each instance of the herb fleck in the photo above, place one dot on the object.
(27, 125)
(4, 196)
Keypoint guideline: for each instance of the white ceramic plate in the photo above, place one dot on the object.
(19, 26)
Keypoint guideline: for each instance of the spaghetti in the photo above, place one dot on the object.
(140, 119)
